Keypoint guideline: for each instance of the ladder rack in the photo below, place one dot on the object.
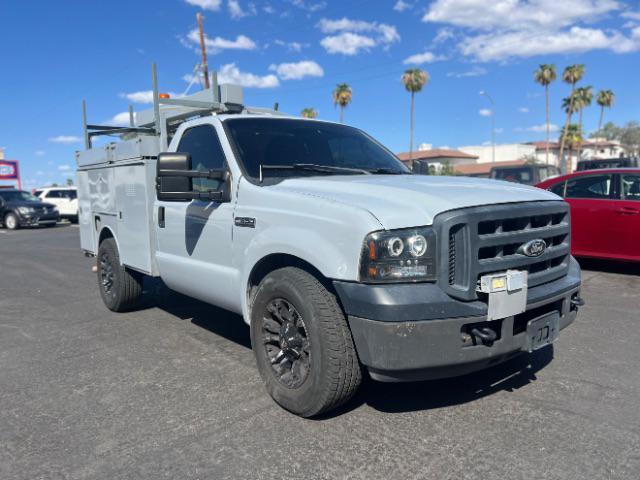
(168, 113)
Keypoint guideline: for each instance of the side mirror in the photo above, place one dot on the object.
(171, 181)
(174, 179)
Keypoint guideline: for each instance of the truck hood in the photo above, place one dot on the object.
(399, 201)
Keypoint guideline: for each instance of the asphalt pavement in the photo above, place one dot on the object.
(171, 391)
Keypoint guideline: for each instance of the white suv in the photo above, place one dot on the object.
(65, 198)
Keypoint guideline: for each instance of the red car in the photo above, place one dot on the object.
(605, 211)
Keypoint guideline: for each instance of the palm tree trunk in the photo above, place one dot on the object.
(599, 128)
(566, 127)
(411, 134)
(579, 154)
(569, 165)
(341, 114)
(546, 91)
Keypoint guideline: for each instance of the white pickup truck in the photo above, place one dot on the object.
(340, 260)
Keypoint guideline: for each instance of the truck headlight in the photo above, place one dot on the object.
(26, 210)
(407, 255)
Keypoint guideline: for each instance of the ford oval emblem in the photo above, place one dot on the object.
(533, 248)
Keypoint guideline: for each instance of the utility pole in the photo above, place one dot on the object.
(205, 67)
(493, 126)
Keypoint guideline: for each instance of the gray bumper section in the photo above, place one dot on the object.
(412, 332)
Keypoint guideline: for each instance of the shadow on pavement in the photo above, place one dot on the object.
(385, 397)
(610, 266)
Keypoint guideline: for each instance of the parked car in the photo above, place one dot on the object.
(526, 174)
(605, 211)
(607, 163)
(65, 198)
(21, 209)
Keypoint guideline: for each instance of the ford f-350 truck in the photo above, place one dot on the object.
(340, 260)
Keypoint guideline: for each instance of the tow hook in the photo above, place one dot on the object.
(577, 301)
(486, 335)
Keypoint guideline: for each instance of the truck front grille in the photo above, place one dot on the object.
(484, 240)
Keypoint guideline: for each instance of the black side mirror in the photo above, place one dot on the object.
(174, 179)
(171, 181)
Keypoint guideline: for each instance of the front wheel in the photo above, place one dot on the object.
(11, 221)
(120, 288)
(302, 343)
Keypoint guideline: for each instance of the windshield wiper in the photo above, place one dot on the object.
(389, 171)
(313, 167)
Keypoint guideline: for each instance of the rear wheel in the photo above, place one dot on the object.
(120, 288)
(11, 221)
(303, 346)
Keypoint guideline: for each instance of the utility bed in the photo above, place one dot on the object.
(115, 185)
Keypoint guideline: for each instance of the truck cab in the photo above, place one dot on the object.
(340, 260)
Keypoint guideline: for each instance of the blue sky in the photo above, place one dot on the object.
(54, 54)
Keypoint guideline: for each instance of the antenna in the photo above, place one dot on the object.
(205, 67)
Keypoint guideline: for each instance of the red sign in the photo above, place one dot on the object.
(10, 170)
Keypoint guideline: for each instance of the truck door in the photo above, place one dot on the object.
(194, 237)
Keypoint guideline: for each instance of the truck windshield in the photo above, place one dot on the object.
(304, 148)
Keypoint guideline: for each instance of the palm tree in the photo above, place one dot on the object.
(605, 98)
(572, 75)
(342, 95)
(544, 76)
(572, 137)
(413, 80)
(309, 112)
(584, 96)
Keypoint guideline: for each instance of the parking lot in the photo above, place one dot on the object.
(171, 391)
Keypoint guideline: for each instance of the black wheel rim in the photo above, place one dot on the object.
(107, 277)
(286, 343)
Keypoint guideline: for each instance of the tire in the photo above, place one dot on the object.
(11, 221)
(50, 225)
(321, 338)
(120, 288)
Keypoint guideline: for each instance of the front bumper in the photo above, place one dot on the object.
(414, 332)
(36, 219)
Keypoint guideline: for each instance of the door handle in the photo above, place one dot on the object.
(161, 217)
(628, 211)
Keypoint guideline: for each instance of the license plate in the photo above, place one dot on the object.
(542, 331)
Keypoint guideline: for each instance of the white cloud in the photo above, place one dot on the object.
(401, 6)
(443, 35)
(347, 43)
(296, 71)
(40, 153)
(496, 31)
(485, 112)
(64, 168)
(499, 46)
(65, 139)
(212, 5)
(517, 14)
(538, 128)
(499, 130)
(523, 110)
(139, 97)
(293, 46)
(217, 44)
(229, 73)
(420, 58)
(236, 11)
(631, 15)
(39, 173)
(475, 71)
(121, 119)
(346, 35)
(308, 6)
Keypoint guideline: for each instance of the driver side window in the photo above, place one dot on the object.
(203, 145)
